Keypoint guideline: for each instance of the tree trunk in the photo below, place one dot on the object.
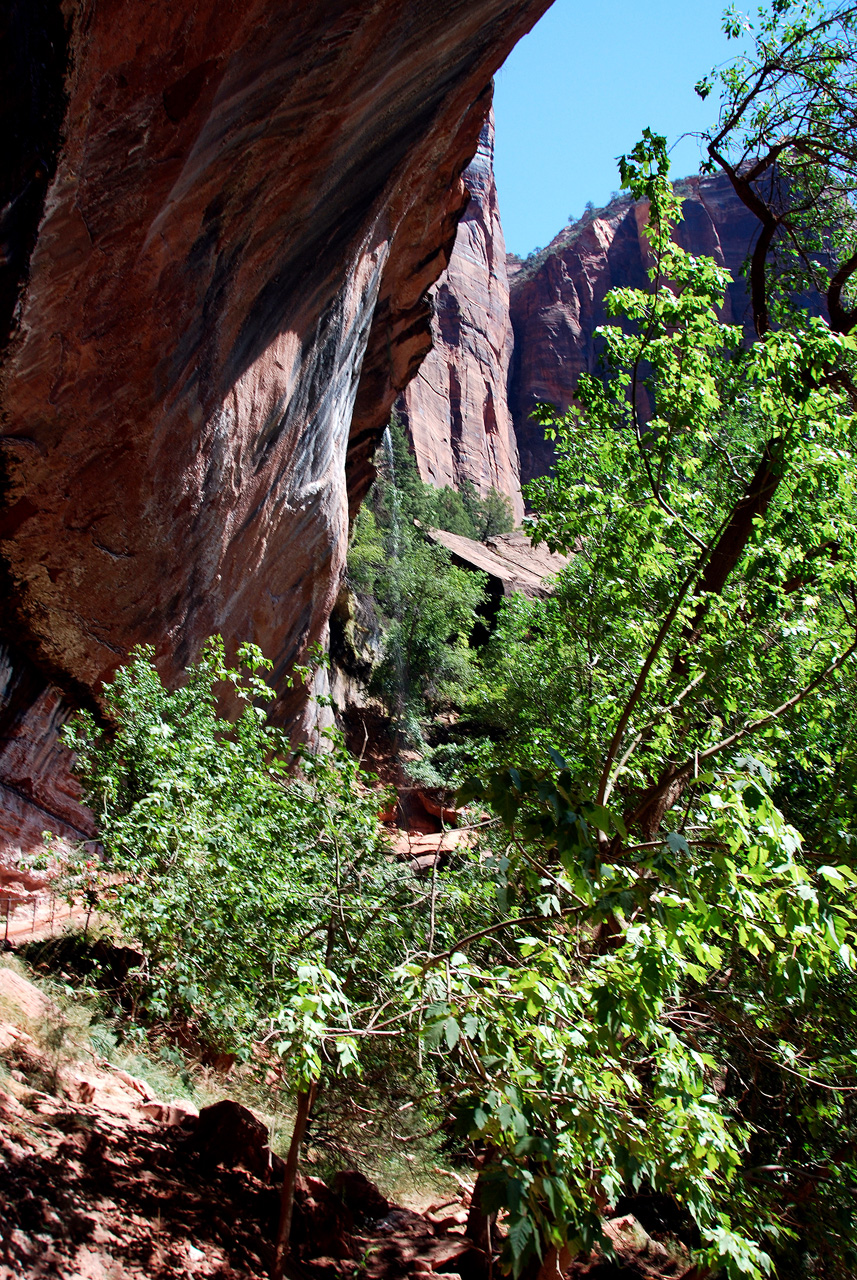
(480, 1225)
(555, 1264)
(287, 1196)
(732, 544)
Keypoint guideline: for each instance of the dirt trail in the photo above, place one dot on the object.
(99, 1180)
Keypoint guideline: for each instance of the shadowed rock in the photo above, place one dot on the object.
(217, 291)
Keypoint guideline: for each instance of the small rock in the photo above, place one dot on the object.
(88, 1265)
(170, 1113)
(13, 1150)
(79, 1088)
(10, 1105)
(51, 1219)
(139, 1086)
(401, 1221)
(100, 1235)
(21, 1243)
(332, 1267)
(8, 1036)
(448, 1249)
(195, 1255)
(626, 1233)
(457, 1219)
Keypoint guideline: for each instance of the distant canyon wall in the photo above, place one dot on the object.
(557, 302)
(508, 333)
(457, 409)
(218, 228)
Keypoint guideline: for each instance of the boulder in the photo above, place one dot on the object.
(513, 564)
(360, 1196)
(26, 997)
(227, 1134)
(322, 1225)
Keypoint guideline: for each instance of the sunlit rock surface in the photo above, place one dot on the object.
(456, 409)
(557, 303)
(509, 559)
(225, 222)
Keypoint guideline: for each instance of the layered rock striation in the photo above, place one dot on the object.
(224, 223)
(513, 565)
(456, 409)
(557, 301)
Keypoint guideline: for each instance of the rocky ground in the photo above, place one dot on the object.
(99, 1180)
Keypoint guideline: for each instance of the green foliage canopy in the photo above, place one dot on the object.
(427, 605)
(256, 879)
(679, 937)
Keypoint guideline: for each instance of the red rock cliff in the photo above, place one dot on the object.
(456, 409)
(557, 302)
(220, 224)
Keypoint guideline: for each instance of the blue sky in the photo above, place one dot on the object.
(577, 92)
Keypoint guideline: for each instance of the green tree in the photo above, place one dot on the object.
(428, 606)
(686, 952)
(431, 610)
(491, 515)
(784, 138)
(224, 857)
(462, 510)
(258, 884)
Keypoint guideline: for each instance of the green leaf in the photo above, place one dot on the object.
(451, 1031)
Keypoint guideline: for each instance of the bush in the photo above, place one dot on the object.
(242, 883)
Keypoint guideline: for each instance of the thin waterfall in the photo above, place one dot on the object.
(395, 498)
(395, 553)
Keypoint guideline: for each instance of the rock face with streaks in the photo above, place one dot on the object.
(38, 792)
(218, 228)
(456, 409)
(557, 303)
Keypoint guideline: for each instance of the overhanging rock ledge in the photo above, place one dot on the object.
(217, 297)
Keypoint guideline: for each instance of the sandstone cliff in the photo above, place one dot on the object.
(218, 224)
(456, 409)
(557, 302)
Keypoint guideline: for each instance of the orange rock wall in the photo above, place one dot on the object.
(456, 409)
(221, 298)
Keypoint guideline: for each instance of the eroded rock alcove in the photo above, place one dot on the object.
(220, 226)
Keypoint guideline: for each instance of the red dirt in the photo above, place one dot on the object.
(98, 1181)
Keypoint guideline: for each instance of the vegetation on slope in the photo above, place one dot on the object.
(426, 607)
(639, 989)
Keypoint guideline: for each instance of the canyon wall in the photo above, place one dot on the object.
(456, 409)
(557, 301)
(508, 334)
(219, 224)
